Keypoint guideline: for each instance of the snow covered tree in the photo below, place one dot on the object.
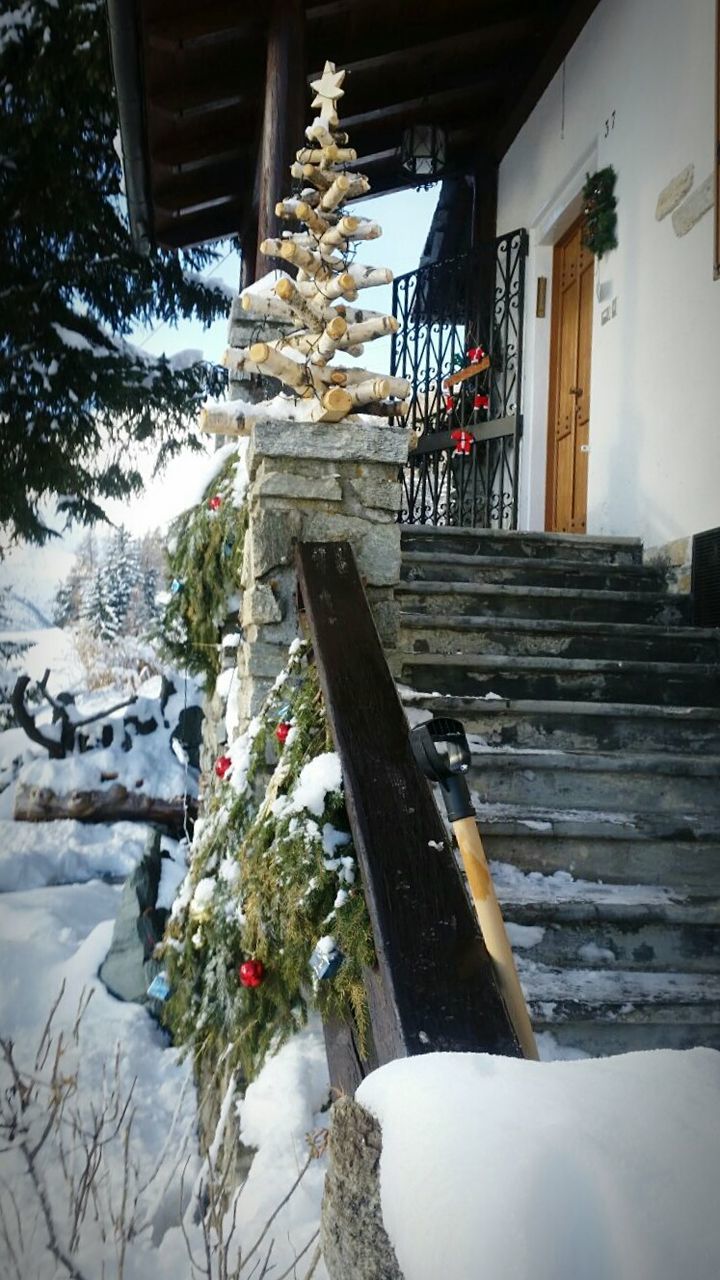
(121, 575)
(97, 610)
(74, 394)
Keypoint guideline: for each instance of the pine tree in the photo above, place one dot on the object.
(70, 595)
(121, 575)
(97, 610)
(74, 394)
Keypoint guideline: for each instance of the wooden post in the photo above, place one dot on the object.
(484, 231)
(284, 113)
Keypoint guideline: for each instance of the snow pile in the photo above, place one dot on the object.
(66, 852)
(605, 1169)
(284, 1114)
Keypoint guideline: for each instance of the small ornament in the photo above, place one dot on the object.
(480, 401)
(476, 354)
(326, 959)
(282, 731)
(463, 442)
(228, 545)
(222, 765)
(159, 988)
(175, 586)
(449, 403)
(215, 502)
(251, 973)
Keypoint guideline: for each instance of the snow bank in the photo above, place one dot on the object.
(602, 1169)
(280, 1109)
(51, 853)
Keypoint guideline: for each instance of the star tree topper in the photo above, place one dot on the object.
(328, 90)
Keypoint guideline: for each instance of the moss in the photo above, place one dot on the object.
(204, 564)
(273, 882)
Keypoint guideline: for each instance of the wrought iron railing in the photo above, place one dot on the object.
(449, 313)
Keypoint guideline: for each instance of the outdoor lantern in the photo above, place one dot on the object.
(423, 151)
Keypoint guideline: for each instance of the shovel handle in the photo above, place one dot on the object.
(492, 927)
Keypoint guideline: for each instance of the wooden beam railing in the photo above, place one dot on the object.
(434, 988)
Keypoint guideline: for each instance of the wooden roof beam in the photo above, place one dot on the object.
(198, 228)
(465, 44)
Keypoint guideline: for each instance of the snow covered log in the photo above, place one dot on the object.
(114, 803)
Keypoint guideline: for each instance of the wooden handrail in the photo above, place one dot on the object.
(434, 987)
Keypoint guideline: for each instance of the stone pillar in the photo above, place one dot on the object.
(314, 482)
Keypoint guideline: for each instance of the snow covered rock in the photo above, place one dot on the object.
(605, 1168)
(354, 1240)
(129, 967)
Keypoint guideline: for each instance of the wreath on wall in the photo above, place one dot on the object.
(599, 205)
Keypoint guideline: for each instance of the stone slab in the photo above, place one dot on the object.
(674, 192)
(695, 207)
(260, 606)
(269, 540)
(353, 1236)
(376, 546)
(334, 441)
(286, 484)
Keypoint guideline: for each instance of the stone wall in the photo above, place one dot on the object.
(676, 559)
(314, 482)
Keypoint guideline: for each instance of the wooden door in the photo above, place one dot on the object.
(569, 408)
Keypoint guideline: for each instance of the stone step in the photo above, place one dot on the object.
(574, 726)
(561, 780)
(680, 851)
(621, 1010)
(505, 601)
(581, 680)
(420, 566)
(606, 944)
(564, 546)
(556, 638)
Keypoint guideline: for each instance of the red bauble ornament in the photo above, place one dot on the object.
(463, 442)
(251, 973)
(480, 401)
(449, 403)
(476, 354)
(222, 764)
(282, 731)
(215, 502)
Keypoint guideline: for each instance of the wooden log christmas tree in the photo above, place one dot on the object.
(320, 300)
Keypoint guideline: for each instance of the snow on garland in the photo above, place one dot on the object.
(205, 552)
(273, 872)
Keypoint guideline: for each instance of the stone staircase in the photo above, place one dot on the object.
(593, 711)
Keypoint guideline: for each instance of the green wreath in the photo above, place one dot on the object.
(599, 205)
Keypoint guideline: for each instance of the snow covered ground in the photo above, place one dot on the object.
(60, 886)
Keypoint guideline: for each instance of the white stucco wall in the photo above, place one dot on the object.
(655, 409)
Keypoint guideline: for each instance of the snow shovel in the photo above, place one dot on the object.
(441, 749)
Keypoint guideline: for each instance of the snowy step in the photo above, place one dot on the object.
(533, 637)
(421, 566)
(560, 920)
(563, 780)
(515, 543)
(680, 851)
(615, 1011)
(509, 601)
(574, 726)
(576, 679)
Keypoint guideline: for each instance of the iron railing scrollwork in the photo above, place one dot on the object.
(447, 311)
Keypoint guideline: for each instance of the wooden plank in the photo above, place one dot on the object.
(434, 988)
(284, 112)
(434, 441)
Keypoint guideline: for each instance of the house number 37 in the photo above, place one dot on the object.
(609, 124)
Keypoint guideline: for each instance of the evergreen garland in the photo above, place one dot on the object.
(266, 883)
(205, 551)
(599, 205)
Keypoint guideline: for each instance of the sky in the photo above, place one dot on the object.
(405, 219)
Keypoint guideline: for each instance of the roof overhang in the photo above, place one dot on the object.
(190, 88)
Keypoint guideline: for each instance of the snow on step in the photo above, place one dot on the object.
(532, 887)
(546, 986)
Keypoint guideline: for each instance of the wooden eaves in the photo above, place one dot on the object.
(213, 96)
